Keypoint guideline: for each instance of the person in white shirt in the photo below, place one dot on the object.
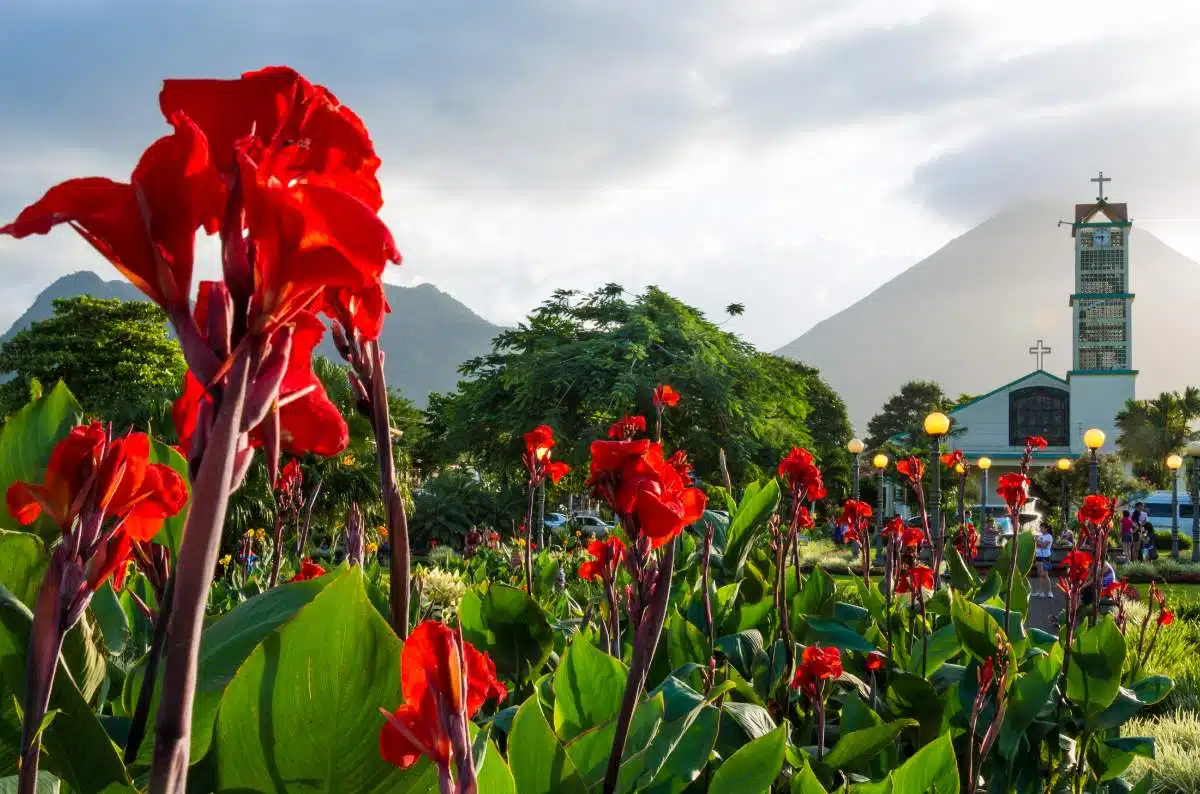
(1043, 552)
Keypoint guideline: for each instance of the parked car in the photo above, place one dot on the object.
(555, 521)
(590, 522)
(1158, 508)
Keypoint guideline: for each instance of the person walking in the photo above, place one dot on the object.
(1043, 556)
(1127, 535)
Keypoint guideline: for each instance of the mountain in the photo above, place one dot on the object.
(426, 337)
(966, 315)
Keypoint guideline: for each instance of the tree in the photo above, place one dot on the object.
(581, 361)
(1150, 430)
(905, 412)
(115, 355)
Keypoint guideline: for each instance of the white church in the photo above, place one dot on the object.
(1101, 378)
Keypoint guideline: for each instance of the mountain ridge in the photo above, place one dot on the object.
(426, 337)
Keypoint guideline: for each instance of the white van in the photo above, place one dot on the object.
(1158, 508)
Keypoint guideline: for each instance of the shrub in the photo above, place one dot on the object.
(1162, 540)
(1177, 744)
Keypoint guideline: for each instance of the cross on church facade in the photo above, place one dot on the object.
(1041, 351)
(1099, 180)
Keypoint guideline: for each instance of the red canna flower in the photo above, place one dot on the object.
(1078, 566)
(308, 570)
(1166, 617)
(627, 427)
(106, 486)
(917, 577)
(646, 491)
(606, 557)
(854, 512)
(1035, 442)
(679, 462)
(444, 681)
(967, 541)
(665, 396)
(817, 665)
(289, 476)
(952, 460)
(538, 443)
(1014, 489)
(985, 674)
(1095, 510)
(803, 476)
(1116, 588)
(875, 661)
(913, 468)
(803, 519)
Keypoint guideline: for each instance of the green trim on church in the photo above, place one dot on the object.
(1097, 224)
(1101, 372)
(1008, 385)
(1100, 296)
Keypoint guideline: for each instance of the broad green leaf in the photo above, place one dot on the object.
(76, 748)
(909, 695)
(804, 781)
(303, 709)
(962, 575)
(1153, 689)
(754, 720)
(757, 506)
(110, 619)
(224, 647)
(493, 774)
(816, 595)
(538, 761)
(976, 629)
(23, 561)
(931, 770)
(590, 751)
(510, 627)
(171, 534)
(943, 645)
(1024, 546)
(588, 685)
(26, 441)
(684, 641)
(754, 767)
(681, 749)
(831, 633)
(862, 745)
(1028, 696)
(46, 784)
(1094, 675)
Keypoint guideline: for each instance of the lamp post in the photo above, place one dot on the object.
(1093, 440)
(1064, 466)
(1193, 452)
(984, 464)
(1173, 464)
(960, 470)
(880, 462)
(856, 447)
(937, 424)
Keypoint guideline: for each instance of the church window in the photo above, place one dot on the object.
(1039, 411)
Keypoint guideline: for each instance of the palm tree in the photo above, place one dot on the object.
(1150, 430)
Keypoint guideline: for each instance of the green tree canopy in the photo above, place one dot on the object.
(905, 412)
(115, 355)
(581, 361)
(1150, 430)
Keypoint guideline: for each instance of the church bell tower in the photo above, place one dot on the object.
(1102, 375)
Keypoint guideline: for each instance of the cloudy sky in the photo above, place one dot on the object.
(790, 156)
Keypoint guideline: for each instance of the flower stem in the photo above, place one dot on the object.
(397, 516)
(704, 574)
(193, 575)
(1015, 518)
(644, 644)
(141, 712)
(45, 644)
(532, 489)
(277, 555)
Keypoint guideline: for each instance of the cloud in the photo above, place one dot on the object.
(790, 156)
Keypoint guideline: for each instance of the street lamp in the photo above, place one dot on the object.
(856, 447)
(880, 462)
(1064, 466)
(984, 464)
(1093, 440)
(937, 424)
(1173, 464)
(1193, 452)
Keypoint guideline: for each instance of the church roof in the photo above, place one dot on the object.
(1084, 212)
(1008, 385)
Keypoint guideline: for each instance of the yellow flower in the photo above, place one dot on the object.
(226, 560)
(520, 541)
(348, 460)
(372, 548)
(250, 533)
(382, 530)
(579, 533)
(261, 534)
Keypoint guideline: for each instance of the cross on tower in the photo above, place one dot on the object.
(1100, 180)
(1041, 351)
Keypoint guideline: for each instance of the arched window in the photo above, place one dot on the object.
(1039, 411)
